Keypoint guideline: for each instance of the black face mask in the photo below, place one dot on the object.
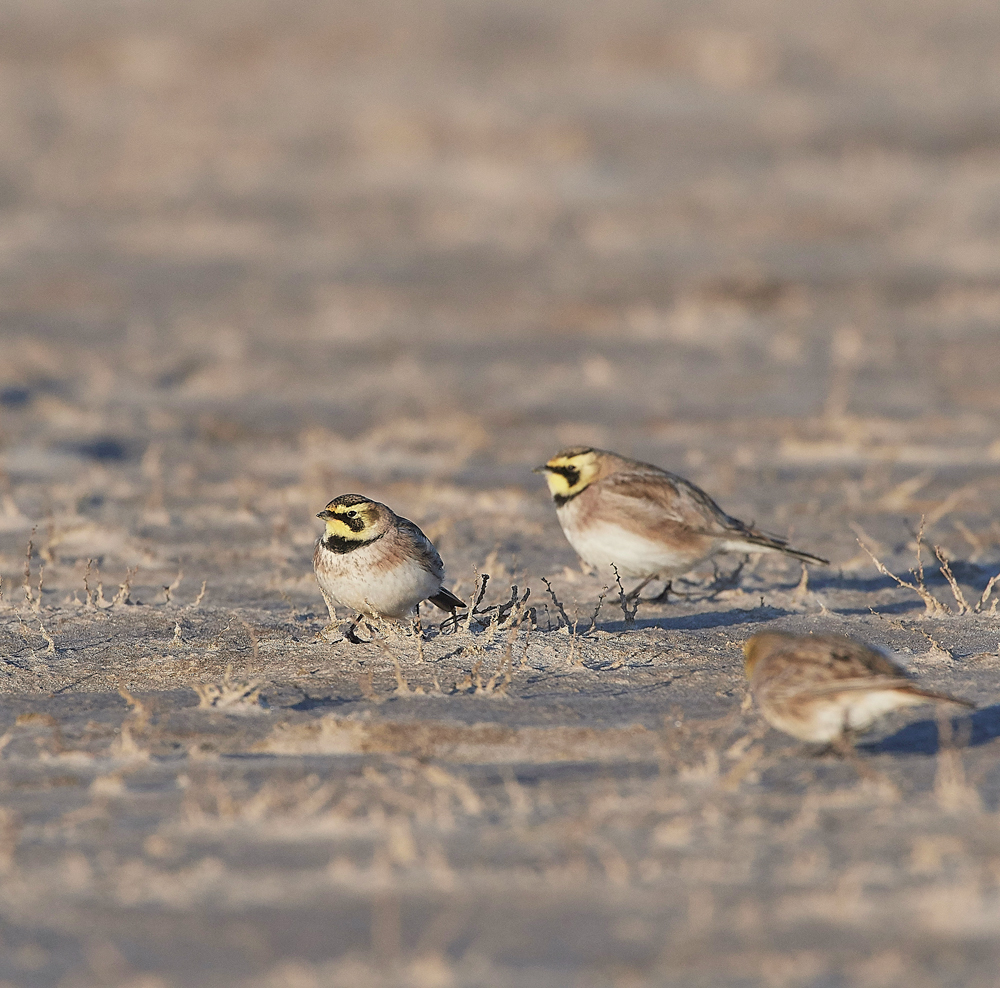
(572, 475)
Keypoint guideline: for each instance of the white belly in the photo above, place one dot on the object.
(602, 544)
(855, 710)
(863, 711)
(351, 579)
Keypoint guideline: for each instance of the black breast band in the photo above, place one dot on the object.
(340, 545)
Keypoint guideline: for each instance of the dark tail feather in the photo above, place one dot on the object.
(446, 600)
(940, 697)
(773, 542)
(865, 684)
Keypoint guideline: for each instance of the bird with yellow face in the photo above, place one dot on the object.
(649, 523)
(377, 563)
(825, 688)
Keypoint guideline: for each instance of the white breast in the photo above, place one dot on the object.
(827, 718)
(602, 543)
(864, 710)
(356, 580)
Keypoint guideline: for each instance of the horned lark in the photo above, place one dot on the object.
(647, 522)
(823, 688)
(378, 564)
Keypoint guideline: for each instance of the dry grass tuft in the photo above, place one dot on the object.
(932, 606)
(571, 626)
(232, 695)
(125, 745)
(623, 600)
(479, 743)
(954, 794)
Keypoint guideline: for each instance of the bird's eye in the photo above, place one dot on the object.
(352, 514)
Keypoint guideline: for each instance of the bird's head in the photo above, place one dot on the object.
(570, 472)
(760, 646)
(353, 518)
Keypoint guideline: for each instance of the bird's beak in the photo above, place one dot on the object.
(324, 514)
(542, 469)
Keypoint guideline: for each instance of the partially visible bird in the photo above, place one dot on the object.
(645, 521)
(825, 688)
(377, 563)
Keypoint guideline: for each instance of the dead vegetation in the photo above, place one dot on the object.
(658, 813)
(933, 606)
(231, 695)
(270, 253)
(662, 823)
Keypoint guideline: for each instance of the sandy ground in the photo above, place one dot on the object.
(255, 255)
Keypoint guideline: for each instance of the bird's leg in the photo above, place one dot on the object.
(634, 595)
(418, 631)
(663, 597)
(840, 748)
(810, 749)
(352, 631)
(334, 624)
(843, 744)
(726, 581)
(844, 747)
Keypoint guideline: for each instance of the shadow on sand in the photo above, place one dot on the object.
(698, 622)
(921, 738)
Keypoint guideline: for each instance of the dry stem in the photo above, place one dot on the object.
(557, 602)
(931, 604)
(623, 600)
(956, 590)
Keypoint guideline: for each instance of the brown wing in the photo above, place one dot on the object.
(884, 683)
(814, 666)
(421, 548)
(833, 657)
(657, 500)
(653, 497)
(847, 658)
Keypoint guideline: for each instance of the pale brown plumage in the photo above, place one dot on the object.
(377, 563)
(823, 688)
(645, 521)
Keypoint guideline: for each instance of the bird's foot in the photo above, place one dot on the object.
(663, 597)
(352, 632)
(330, 629)
(842, 748)
(726, 581)
(633, 595)
(812, 749)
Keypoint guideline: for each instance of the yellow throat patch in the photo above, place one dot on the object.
(350, 520)
(570, 472)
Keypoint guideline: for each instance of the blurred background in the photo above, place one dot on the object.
(256, 254)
